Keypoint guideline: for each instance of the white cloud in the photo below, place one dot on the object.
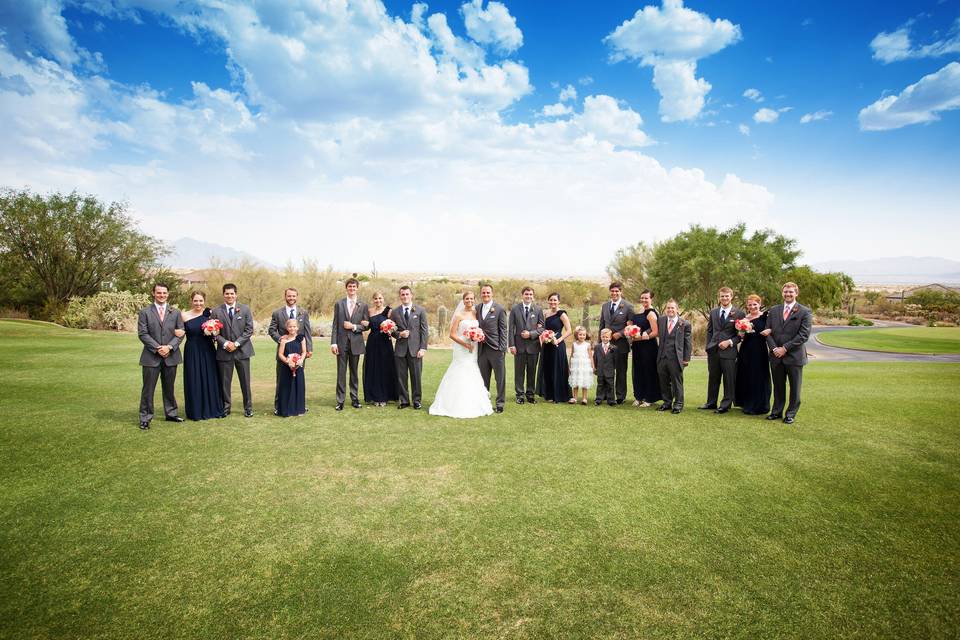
(744, 129)
(784, 109)
(569, 92)
(558, 109)
(603, 118)
(493, 25)
(585, 81)
(753, 94)
(919, 103)
(767, 116)
(813, 117)
(896, 45)
(671, 39)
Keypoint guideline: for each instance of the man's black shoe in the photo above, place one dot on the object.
(774, 416)
(519, 400)
(531, 400)
(402, 405)
(707, 407)
(788, 420)
(339, 406)
(664, 407)
(676, 410)
(356, 404)
(499, 409)
(720, 410)
(144, 426)
(417, 405)
(248, 414)
(174, 419)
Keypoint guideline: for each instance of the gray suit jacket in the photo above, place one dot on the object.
(495, 328)
(533, 322)
(278, 324)
(340, 336)
(618, 322)
(418, 331)
(239, 330)
(791, 333)
(154, 334)
(718, 331)
(681, 342)
(604, 364)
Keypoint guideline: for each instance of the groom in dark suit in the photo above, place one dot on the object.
(787, 333)
(157, 328)
(525, 326)
(350, 319)
(492, 351)
(411, 334)
(234, 348)
(615, 314)
(722, 340)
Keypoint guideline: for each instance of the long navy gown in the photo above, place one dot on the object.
(646, 380)
(291, 389)
(379, 368)
(201, 378)
(553, 378)
(752, 392)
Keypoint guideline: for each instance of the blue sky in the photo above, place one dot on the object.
(620, 122)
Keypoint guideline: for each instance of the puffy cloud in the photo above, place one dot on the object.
(569, 92)
(558, 109)
(918, 103)
(493, 25)
(896, 45)
(744, 129)
(813, 117)
(603, 118)
(753, 94)
(767, 116)
(671, 39)
(37, 25)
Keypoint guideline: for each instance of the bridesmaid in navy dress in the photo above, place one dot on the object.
(291, 381)
(379, 368)
(646, 380)
(553, 378)
(752, 392)
(201, 378)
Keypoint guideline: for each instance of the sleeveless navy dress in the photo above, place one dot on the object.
(379, 367)
(553, 378)
(291, 389)
(201, 378)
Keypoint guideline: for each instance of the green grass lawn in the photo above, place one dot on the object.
(543, 522)
(900, 340)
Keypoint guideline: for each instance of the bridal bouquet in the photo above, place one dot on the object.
(744, 326)
(295, 359)
(548, 336)
(387, 326)
(475, 334)
(632, 331)
(212, 327)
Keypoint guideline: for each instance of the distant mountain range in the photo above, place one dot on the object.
(196, 254)
(899, 270)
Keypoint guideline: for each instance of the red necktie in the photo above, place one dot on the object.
(786, 312)
(673, 323)
(160, 311)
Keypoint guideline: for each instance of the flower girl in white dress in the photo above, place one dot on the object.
(581, 365)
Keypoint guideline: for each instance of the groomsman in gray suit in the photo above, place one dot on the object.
(350, 319)
(411, 334)
(722, 340)
(787, 334)
(615, 314)
(277, 328)
(673, 355)
(525, 327)
(160, 328)
(234, 348)
(493, 350)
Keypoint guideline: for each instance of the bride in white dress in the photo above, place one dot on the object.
(461, 393)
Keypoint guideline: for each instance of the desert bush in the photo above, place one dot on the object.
(112, 310)
(857, 321)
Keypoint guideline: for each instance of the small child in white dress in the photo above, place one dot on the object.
(581, 365)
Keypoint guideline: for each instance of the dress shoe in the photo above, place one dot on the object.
(612, 404)
(402, 405)
(417, 405)
(499, 409)
(598, 402)
(531, 401)
(620, 401)
(707, 407)
(722, 410)
(339, 406)
(275, 412)
(174, 419)
(356, 405)
(248, 414)
(774, 416)
(144, 426)
(664, 407)
(676, 410)
(519, 400)
(788, 420)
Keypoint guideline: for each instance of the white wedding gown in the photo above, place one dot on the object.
(461, 393)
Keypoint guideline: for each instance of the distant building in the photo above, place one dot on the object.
(905, 294)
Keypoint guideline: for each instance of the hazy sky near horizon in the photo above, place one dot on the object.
(485, 136)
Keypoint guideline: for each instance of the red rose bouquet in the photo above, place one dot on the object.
(475, 334)
(212, 327)
(387, 326)
(548, 337)
(632, 331)
(744, 326)
(294, 359)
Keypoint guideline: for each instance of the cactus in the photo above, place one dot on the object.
(585, 320)
(441, 319)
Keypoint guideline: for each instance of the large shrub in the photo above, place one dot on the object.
(111, 310)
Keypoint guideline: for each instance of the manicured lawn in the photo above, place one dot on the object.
(899, 340)
(546, 521)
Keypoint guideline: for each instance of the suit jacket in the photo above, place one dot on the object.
(679, 345)
(604, 364)
(718, 331)
(618, 322)
(791, 333)
(340, 336)
(494, 325)
(533, 322)
(278, 323)
(239, 330)
(154, 334)
(417, 327)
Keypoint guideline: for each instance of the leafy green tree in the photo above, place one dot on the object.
(58, 246)
(821, 290)
(630, 266)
